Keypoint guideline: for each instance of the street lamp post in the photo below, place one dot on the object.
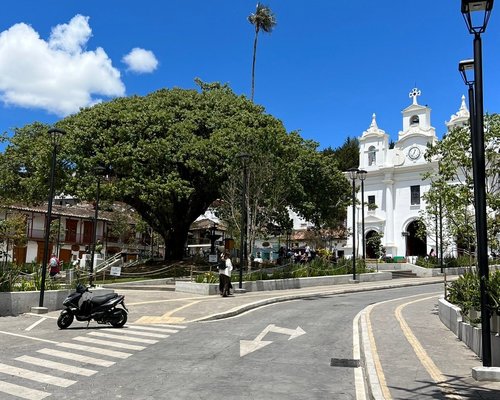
(362, 176)
(55, 135)
(353, 172)
(98, 171)
(243, 247)
(476, 15)
(213, 238)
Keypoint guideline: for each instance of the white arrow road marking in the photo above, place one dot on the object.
(285, 331)
(249, 346)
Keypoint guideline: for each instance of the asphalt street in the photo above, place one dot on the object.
(294, 344)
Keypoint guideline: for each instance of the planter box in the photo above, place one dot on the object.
(15, 303)
(280, 284)
(495, 323)
(451, 316)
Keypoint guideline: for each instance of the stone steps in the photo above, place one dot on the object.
(401, 273)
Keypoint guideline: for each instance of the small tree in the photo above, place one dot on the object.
(374, 243)
(13, 231)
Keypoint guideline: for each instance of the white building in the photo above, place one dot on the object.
(394, 182)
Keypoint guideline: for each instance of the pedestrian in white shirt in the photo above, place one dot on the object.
(225, 275)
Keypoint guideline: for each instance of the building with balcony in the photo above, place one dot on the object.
(72, 235)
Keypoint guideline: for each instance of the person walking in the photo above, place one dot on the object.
(54, 265)
(225, 275)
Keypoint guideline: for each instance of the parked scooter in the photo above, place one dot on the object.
(103, 309)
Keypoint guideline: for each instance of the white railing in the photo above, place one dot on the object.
(109, 262)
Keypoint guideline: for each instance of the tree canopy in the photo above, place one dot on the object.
(452, 185)
(169, 154)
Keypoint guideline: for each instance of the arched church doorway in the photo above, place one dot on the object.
(414, 245)
(370, 248)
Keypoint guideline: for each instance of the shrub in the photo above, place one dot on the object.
(493, 291)
(9, 277)
(464, 293)
(207, 277)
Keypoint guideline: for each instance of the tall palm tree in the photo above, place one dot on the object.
(264, 19)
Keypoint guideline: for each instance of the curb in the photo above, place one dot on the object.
(279, 299)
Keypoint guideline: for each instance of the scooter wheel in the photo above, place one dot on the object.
(119, 318)
(65, 319)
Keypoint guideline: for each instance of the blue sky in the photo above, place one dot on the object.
(324, 70)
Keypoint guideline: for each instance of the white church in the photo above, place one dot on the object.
(393, 186)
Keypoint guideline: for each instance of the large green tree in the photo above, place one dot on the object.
(263, 19)
(285, 172)
(347, 155)
(452, 185)
(168, 156)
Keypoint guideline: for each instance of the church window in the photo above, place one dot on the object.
(415, 195)
(371, 199)
(414, 120)
(372, 157)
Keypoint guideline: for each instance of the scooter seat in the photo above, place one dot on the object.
(98, 300)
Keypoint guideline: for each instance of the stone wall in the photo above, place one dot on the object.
(15, 303)
(281, 284)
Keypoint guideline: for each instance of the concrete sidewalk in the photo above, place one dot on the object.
(414, 356)
(410, 353)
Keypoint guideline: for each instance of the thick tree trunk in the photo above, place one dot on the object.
(175, 241)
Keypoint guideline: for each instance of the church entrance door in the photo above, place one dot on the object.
(414, 245)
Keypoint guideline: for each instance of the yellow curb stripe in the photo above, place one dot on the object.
(422, 355)
(167, 317)
(376, 360)
(169, 314)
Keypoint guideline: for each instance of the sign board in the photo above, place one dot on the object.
(212, 258)
(115, 271)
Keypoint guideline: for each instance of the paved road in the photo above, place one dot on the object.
(164, 354)
(192, 360)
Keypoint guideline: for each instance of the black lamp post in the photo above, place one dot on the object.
(99, 170)
(362, 176)
(353, 173)
(213, 238)
(243, 247)
(55, 135)
(476, 15)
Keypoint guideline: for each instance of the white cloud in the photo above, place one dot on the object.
(141, 61)
(57, 75)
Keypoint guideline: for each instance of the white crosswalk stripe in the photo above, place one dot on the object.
(108, 343)
(35, 376)
(57, 366)
(121, 337)
(98, 350)
(22, 392)
(136, 333)
(111, 338)
(76, 357)
(173, 329)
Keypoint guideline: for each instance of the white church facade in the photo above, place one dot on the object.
(393, 186)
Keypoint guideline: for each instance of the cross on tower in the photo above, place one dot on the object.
(414, 94)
